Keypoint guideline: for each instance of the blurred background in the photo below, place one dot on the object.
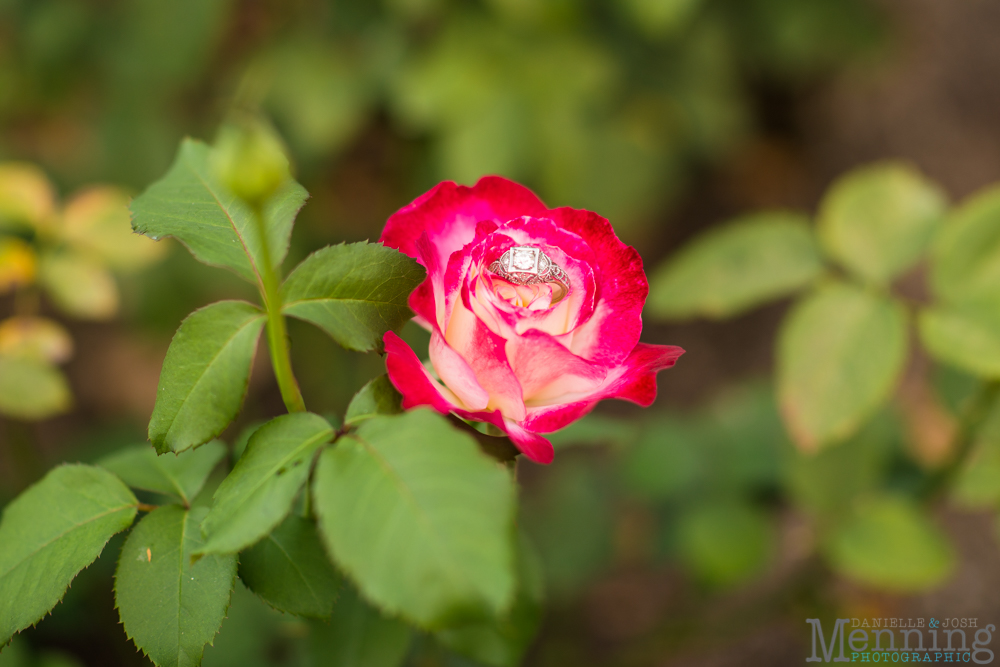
(687, 534)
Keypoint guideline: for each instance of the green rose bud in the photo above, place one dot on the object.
(250, 159)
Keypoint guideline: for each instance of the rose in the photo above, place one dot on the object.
(526, 358)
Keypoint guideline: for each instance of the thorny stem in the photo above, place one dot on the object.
(975, 412)
(277, 334)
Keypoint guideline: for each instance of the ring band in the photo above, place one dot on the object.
(527, 265)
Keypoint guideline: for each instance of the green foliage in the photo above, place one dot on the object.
(358, 635)
(840, 354)
(966, 336)
(259, 492)
(51, 532)
(888, 542)
(250, 160)
(205, 375)
(737, 447)
(80, 286)
(289, 570)
(15, 654)
(181, 476)
(32, 388)
(218, 227)
(355, 292)
(378, 397)
(978, 484)
(594, 429)
(658, 19)
(432, 540)
(664, 461)
(725, 543)
(736, 267)
(570, 520)
(878, 220)
(323, 96)
(965, 259)
(503, 642)
(66, 251)
(255, 635)
(825, 484)
(170, 606)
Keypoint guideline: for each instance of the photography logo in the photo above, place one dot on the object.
(902, 640)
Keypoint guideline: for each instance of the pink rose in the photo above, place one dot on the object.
(527, 358)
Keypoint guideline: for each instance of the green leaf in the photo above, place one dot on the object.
(358, 635)
(593, 430)
(51, 532)
(205, 375)
(725, 543)
(290, 571)
(253, 634)
(966, 336)
(170, 607)
(78, 285)
(840, 354)
(32, 388)
(664, 461)
(378, 397)
(56, 659)
(878, 220)
(259, 492)
(182, 475)
(890, 543)
(503, 642)
(419, 518)
(965, 258)
(190, 204)
(827, 482)
(355, 292)
(736, 267)
(15, 654)
(977, 485)
(569, 516)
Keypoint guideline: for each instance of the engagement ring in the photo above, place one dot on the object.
(525, 265)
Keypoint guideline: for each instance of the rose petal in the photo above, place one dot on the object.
(486, 354)
(612, 332)
(418, 388)
(412, 380)
(456, 374)
(634, 380)
(546, 369)
(449, 213)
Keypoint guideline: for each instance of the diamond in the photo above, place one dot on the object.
(524, 259)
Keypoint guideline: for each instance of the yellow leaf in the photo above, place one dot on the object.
(18, 264)
(32, 389)
(35, 337)
(26, 195)
(79, 286)
(97, 220)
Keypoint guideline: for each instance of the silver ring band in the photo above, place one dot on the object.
(527, 265)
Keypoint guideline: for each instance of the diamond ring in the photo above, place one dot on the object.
(527, 265)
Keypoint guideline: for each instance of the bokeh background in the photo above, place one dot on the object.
(687, 534)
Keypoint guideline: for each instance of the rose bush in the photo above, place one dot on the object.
(529, 359)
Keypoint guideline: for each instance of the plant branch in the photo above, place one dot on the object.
(974, 413)
(277, 334)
